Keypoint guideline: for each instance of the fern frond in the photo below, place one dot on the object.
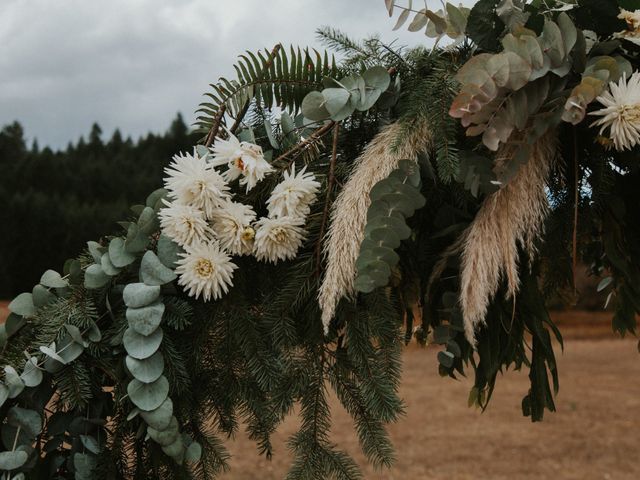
(270, 78)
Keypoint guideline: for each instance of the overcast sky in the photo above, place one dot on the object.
(134, 64)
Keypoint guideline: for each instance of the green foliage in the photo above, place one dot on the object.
(140, 381)
(492, 100)
(484, 26)
(393, 200)
(276, 78)
(341, 98)
(451, 21)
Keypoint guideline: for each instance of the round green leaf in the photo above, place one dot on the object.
(52, 279)
(156, 196)
(69, 350)
(378, 271)
(42, 296)
(76, 335)
(51, 352)
(31, 374)
(14, 323)
(166, 436)
(168, 251)
(90, 443)
(412, 194)
(13, 381)
(9, 433)
(73, 269)
(148, 396)
(153, 272)
(313, 107)
(381, 188)
(94, 334)
(95, 277)
(364, 284)
(377, 77)
(23, 305)
(148, 221)
(399, 202)
(138, 295)
(136, 240)
(160, 418)
(118, 255)
(398, 226)
(147, 370)
(335, 99)
(385, 254)
(380, 208)
(268, 128)
(384, 237)
(193, 453)
(4, 393)
(107, 266)
(364, 259)
(84, 464)
(369, 99)
(175, 450)
(140, 346)
(12, 460)
(96, 250)
(29, 421)
(145, 320)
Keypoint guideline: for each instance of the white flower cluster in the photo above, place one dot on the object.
(211, 227)
(621, 113)
(619, 120)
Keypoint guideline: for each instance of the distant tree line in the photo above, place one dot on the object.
(52, 202)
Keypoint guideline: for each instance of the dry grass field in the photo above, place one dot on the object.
(595, 434)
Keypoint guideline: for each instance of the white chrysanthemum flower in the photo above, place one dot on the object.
(244, 160)
(206, 270)
(232, 224)
(293, 196)
(621, 114)
(278, 238)
(632, 33)
(192, 181)
(184, 224)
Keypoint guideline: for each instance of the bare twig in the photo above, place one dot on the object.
(330, 183)
(299, 147)
(216, 126)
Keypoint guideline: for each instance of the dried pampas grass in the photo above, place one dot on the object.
(512, 216)
(349, 213)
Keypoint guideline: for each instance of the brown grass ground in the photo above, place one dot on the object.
(595, 434)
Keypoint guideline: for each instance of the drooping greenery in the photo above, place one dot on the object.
(128, 377)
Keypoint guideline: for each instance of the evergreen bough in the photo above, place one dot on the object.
(112, 371)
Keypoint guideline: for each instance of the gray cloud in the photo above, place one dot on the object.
(133, 64)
